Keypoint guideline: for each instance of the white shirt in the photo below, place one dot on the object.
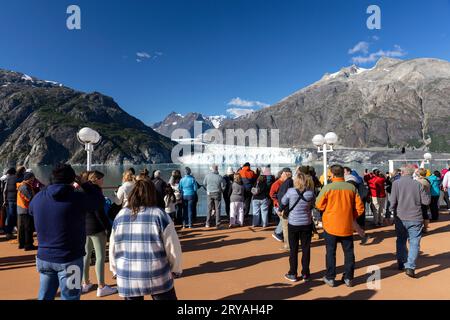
(446, 182)
(123, 193)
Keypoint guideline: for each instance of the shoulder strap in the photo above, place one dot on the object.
(300, 197)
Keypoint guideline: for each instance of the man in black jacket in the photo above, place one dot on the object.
(160, 186)
(10, 202)
(288, 183)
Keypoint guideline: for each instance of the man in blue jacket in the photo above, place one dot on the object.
(188, 189)
(59, 217)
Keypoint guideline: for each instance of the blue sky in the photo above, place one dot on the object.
(210, 55)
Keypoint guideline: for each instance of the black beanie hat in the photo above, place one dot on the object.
(63, 174)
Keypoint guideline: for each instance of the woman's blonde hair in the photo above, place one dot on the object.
(128, 176)
(94, 176)
(423, 172)
(303, 182)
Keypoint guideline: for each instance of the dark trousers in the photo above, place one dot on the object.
(226, 199)
(25, 231)
(434, 208)
(349, 255)
(194, 208)
(214, 203)
(424, 212)
(302, 234)
(188, 210)
(179, 213)
(247, 202)
(169, 295)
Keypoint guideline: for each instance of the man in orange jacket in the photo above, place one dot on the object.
(341, 205)
(25, 194)
(248, 180)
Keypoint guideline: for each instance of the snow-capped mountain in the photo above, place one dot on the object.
(394, 104)
(177, 121)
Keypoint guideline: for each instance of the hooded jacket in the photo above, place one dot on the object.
(60, 220)
(248, 177)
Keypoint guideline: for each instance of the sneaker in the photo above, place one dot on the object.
(106, 291)
(31, 248)
(306, 278)
(364, 240)
(277, 237)
(410, 273)
(291, 277)
(401, 267)
(85, 288)
(328, 282)
(207, 226)
(348, 282)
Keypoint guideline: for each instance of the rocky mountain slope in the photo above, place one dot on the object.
(395, 104)
(39, 121)
(177, 121)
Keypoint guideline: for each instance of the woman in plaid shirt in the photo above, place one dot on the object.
(144, 250)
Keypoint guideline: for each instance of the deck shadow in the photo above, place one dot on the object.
(231, 265)
(213, 243)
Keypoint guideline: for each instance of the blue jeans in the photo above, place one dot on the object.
(66, 276)
(412, 231)
(188, 210)
(260, 212)
(11, 217)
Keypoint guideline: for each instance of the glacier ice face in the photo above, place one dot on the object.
(237, 155)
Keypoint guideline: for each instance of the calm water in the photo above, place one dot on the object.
(113, 174)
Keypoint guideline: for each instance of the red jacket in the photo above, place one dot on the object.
(274, 191)
(376, 185)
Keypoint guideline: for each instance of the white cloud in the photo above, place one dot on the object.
(143, 55)
(238, 112)
(238, 102)
(361, 46)
(395, 53)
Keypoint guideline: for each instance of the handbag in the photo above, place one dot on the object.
(285, 213)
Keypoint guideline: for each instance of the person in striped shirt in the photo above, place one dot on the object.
(144, 251)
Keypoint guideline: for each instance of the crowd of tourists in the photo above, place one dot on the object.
(74, 221)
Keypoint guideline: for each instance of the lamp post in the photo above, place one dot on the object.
(89, 138)
(427, 158)
(325, 145)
